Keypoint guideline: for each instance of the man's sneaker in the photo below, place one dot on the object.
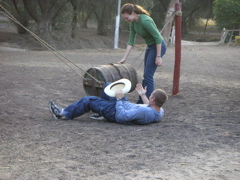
(55, 110)
(96, 116)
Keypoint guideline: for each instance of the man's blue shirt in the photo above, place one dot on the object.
(130, 113)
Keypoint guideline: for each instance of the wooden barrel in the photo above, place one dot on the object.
(107, 73)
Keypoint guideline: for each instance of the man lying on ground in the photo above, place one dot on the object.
(116, 109)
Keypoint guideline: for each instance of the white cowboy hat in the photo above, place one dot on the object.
(122, 84)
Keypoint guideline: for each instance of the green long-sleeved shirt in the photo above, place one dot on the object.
(147, 29)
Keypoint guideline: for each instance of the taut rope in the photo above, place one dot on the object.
(48, 46)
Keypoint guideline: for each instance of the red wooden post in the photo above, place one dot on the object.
(178, 37)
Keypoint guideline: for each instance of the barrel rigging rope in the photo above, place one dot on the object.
(48, 46)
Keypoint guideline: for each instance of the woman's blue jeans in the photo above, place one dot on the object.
(150, 68)
(105, 106)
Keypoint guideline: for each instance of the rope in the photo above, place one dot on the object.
(137, 59)
(169, 20)
(48, 46)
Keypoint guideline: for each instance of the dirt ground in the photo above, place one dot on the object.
(198, 138)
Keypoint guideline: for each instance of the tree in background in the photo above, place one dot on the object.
(227, 13)
(208, 15)
(44, 12)
(103, 12)
(75, 4)
(159, 10)
(193, 10)
(86, 11)
(82, 10)
(62, 14)
(166, 31)
(16, 7)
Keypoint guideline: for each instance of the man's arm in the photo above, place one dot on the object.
(127, 116)
(142, 93)
(140, 115)
(122, 115)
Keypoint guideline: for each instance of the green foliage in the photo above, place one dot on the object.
(227, 13)
(192, 10)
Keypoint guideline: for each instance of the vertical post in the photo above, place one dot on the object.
(178, 32)
(116, 36)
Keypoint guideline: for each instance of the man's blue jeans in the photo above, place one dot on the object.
(105, 106)
(150, 67)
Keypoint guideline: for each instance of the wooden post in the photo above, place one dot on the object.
(178, 37)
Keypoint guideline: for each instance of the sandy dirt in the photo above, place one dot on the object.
(197, 139)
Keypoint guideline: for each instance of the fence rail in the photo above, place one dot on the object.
(226, 34)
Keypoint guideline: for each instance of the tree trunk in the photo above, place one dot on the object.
(101, 15)
(102, 28)
(85, 19)
(44, 28)
(48, 11)
(22, 17)
(205, 28)
(168, 19)
(75, 6)
(184, 27)
(74, 24)
(20, 29)
(102, 22)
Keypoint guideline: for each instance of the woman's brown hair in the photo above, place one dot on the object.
(129, 8)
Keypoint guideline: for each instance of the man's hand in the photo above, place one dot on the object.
(141, 91)
(119, 94)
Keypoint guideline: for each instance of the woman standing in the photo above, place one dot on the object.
(142, 24)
